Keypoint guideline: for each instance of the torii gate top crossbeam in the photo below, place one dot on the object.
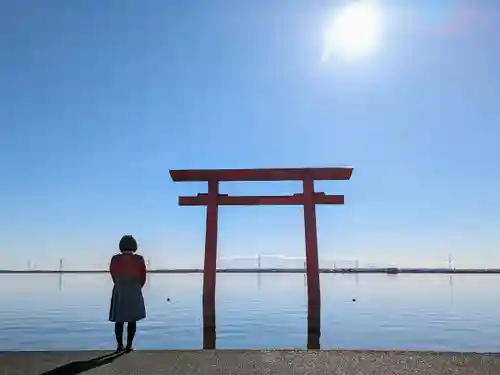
(268, 174)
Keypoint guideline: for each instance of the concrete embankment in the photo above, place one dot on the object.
(246, 362)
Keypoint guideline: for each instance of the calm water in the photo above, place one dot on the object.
(436, 312)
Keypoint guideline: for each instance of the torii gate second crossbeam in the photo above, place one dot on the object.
(308, 199)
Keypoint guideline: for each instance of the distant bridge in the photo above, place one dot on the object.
(284, 261)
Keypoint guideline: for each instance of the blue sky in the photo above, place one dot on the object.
(101, 98)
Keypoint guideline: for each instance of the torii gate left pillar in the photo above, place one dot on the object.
(308, 199)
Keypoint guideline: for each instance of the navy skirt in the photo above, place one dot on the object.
(127, 302)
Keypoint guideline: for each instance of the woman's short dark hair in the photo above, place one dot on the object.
(128, 243)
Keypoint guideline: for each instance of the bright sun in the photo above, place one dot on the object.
(354, 31)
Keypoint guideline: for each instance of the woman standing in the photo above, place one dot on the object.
(128, 272)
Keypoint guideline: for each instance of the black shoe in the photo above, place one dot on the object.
(119, 348)
(129, 348)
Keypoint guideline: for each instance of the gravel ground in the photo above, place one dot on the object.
(296, 362)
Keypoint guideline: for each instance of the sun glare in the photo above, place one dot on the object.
(354, 31)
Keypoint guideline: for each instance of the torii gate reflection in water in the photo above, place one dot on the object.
(309, 198)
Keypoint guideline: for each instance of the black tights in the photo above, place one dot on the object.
(131, 328)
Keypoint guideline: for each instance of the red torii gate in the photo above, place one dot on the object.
(309, 198)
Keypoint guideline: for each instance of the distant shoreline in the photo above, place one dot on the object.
(390, 270)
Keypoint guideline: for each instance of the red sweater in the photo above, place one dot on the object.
(128, 265)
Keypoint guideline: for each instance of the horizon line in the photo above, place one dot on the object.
(388, 270)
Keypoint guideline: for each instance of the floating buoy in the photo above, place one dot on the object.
(168, 299)
(354, 300)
